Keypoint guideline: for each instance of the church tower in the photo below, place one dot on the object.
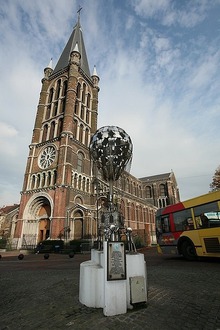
(56, 198)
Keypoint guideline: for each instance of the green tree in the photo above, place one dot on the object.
(215, 185)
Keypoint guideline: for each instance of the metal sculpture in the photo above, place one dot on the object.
(111, 150)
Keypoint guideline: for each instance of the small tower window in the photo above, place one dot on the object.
(84, 93)
(78, 91)
(50, 96)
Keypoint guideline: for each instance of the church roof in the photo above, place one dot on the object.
(158, 177)
(8, 208)
(75, 40)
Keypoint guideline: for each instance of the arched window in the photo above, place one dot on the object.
(45, 130)
(75, 180)
(148, 192)
(79, 182)
(81, 133)
(63, 105)
(84, 184)
(88, 100)
(43, 180)
(87, 137)
(141, 213)
(79, 200)
(33, 181)
(55, 106)
(84, 93)
(78, 91)
(54, 177)
(52, 129)
(162, 189)
(50, 96)
(140, 191)
(49, 183)
(82, 112)
(80, 161)
(87, 116)
(64, 87)
(132, 212)
(58, 89)
(87, 185)
(38, 181)
(47, 113)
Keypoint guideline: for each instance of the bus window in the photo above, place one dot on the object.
(207, 215)
(162, 225)
(183, 220)
(165, 225)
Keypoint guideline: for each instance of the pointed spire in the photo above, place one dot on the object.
(75, 38)
(48, 70)
(76, 48)
(95, 77)
(50, 65)
(94, 71)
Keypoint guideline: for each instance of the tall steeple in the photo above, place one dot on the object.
(57, 181)
(76, 38)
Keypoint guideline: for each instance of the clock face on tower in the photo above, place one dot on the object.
(46, 157)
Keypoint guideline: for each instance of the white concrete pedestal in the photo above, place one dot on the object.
(116, 296)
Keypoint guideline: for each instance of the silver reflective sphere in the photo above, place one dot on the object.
(111, 149)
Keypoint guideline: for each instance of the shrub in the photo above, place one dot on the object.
(3, 243)
(138, 241)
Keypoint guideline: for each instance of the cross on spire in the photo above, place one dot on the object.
(78, 12)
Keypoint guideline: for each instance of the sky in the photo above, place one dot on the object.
(159, 68)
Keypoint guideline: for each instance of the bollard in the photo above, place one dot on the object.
(46, 256)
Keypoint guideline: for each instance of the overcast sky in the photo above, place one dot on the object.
(159, 68)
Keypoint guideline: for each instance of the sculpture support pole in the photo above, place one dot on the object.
(111, 195)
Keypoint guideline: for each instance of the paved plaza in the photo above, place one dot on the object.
(43, 294)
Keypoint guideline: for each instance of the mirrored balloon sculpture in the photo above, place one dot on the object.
(111, 151)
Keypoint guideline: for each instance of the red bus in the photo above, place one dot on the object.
(190, 228)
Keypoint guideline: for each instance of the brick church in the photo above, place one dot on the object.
(61, 196)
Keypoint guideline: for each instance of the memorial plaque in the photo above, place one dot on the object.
(116, 262)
